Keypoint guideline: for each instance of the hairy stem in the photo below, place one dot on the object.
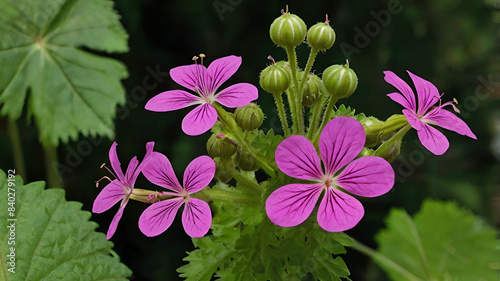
(296, 95)
(281, 111)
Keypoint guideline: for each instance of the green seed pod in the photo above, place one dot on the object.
(275, 78)
(321, 36)
(311, 93)
(245, 161)
(220, 146)
(221, 173)
(340, 80)
(249, 117)
(288, 30)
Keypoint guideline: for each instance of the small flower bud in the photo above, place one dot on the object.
(373, 128)
(221, 173)
(275, 78)
(340, 80)
(321, 36)
(311, 93)
(288, 30)
(249, 117)
(220, 146)
(245, 161)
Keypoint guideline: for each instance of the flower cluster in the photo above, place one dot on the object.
(327, 152)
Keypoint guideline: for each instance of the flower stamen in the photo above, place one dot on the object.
(105, 177)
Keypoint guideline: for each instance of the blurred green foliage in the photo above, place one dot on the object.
(453, 44)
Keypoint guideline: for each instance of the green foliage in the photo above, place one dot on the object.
(342, 110)
(39, 52)
(245, 245)
(441, 242)
(54, 239)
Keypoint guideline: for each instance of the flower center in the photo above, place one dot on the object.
(202, 85)
(329, 181)
(185, 194)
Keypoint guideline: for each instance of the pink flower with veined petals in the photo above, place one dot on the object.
(120, 188)
(340, 142)
(205, 82)
(196, 216)
(422, 116)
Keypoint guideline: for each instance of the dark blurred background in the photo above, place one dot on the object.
(453, 44)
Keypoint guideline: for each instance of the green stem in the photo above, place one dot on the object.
(310, 62)
(326, 117)
(296, 95)
(4, 267)
(17, 148)
(384, 260)
(281, 111)
(228, 122)
(227, 194)
(244, 180)
(318, 108)
(54, 179)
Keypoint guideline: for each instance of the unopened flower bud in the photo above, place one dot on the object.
(221, 172)
(275, 78)
(373, 128)
(219, 146)
(311, 93)
(288, 30)
(245, 161)
(321, 36)
(249, 117)
(340, 80)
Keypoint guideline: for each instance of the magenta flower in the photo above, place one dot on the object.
(196, 216)
(422, 116)
(205, 82)
(121, 187)
(340, 142)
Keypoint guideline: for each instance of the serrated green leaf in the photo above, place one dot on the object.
(39, 55)
(54, 239)
(441, 242)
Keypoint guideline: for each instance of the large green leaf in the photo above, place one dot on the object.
(71, 91)
(54, 239)
(442, 242)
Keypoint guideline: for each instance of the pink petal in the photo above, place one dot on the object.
(415, 123)
(290, 205)
(159, 216)
(196, 217)
(129, 174)
(149, 151)
(109, 196)
(340, 142)
(221, 69)
(297, 157)
(189, 76)
(199, 120)
(427, 93)
(198, 174)
(448, 120)
(115, 162)
(397, 97)
(408, 95)
(433, 140)
(159, 171)
(171, 100)
(237, 95)
(116, 219)
(368, 176)
(339, 211)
